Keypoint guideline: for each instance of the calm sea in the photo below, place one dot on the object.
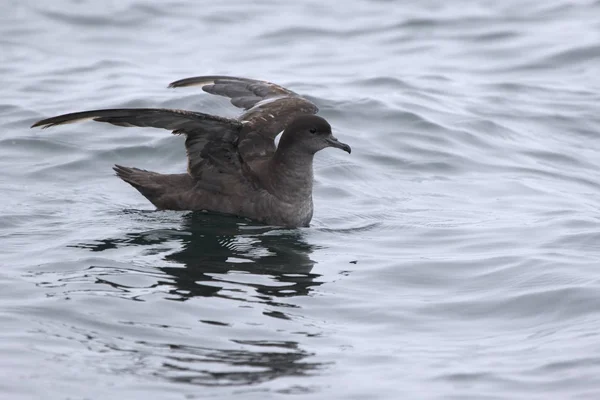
(454, 255)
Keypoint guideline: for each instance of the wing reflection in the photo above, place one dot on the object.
(261, 362)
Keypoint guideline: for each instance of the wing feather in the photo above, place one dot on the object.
(269, 107)
(211, 141)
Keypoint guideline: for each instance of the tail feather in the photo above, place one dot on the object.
(164, 191)
(143, 181)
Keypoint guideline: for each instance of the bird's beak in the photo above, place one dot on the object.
(333, 142)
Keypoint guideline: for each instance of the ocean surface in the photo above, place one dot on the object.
(455, 254)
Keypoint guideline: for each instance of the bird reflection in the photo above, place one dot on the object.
(213, 245)
(268, 360)
(213, 255)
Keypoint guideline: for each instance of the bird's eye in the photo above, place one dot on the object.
(313, 130)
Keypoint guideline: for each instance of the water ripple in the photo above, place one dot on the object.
(460, 237)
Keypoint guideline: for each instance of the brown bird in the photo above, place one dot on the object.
(234, 166)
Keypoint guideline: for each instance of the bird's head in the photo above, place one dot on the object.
(310, 133)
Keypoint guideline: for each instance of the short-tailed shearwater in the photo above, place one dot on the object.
(234, 166)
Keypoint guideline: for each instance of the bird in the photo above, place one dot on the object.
(234, 166)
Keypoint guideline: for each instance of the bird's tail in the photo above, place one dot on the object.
(144, 181)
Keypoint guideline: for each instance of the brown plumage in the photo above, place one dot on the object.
(234, 166)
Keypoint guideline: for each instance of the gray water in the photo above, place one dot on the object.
(453, 255)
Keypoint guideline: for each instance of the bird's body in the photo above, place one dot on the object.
(234, 166)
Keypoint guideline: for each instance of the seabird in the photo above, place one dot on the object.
(234, 166)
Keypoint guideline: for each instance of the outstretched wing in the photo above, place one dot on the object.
(269, 107)
(211, 141)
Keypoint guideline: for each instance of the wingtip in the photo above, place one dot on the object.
(195, 81)
(177, 83)
(41, 124)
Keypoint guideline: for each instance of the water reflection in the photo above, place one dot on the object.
(219, 256)
(261, 362)
(212, 246)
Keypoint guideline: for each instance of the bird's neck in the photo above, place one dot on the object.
(292, 175)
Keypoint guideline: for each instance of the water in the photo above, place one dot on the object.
(453, 255)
